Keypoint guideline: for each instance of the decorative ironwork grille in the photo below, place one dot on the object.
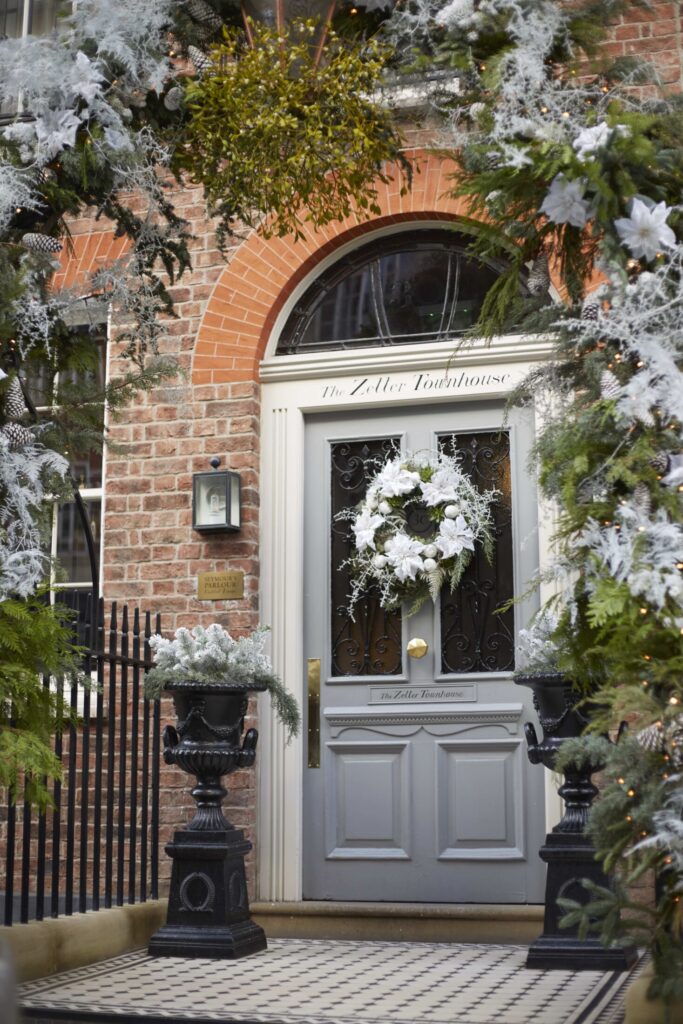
(370, 643)
(475, 636)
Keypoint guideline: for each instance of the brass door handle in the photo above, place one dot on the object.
(417, 647)
(313, 695)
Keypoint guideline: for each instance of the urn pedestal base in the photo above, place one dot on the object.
(208, 907)
(570, 857)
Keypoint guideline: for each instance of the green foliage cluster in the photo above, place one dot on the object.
(37, 655)
(276, 126)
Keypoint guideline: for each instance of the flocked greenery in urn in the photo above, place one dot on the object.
(211, 656)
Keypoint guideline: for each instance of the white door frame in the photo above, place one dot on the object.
(293, 387)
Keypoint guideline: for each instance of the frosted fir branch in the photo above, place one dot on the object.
(639, 550)
(643, 319)
(17, 189)
(128, 35)
(527, 103)
(536, 652)
(25, 485)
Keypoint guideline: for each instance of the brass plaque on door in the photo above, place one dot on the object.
(220, 586)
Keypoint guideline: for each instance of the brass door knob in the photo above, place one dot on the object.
(417, 647)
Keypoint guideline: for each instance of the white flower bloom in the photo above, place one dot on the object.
(364, 528)
(394, 480)
(384, 508)
(56, 130)
(89, 80)
(454, 537)
(442, 487)
(645, 232)
(564, 203)
(404, 555)
(592, 139)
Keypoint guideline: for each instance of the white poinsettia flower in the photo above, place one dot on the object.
(364, 528)
(395, 480)
(442, 487)
(590, 140)
(55, 131)
(89, 80)
(405, 556)
(645, 232)
(454, 537)
(565, 204)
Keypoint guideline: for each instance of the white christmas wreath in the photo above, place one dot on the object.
(391, 557)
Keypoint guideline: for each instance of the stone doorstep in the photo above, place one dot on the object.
(401, 922)
(42, 948)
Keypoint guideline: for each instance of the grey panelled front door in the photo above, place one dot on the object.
(424, 791)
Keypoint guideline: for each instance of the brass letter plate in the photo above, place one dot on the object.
(220, 586)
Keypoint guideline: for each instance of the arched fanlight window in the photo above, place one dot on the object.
(401, 289)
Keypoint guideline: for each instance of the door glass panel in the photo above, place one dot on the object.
(370, 643)
(402, 289)
(474, 636)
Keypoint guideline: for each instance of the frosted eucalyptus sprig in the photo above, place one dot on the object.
(212, 655)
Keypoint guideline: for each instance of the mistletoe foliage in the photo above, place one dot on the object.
(275, 125)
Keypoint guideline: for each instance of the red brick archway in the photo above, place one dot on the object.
(261, 276)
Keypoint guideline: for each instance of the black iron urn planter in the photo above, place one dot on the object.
(208, 908)
(568, 851)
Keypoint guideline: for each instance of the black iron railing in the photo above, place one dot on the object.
(98, 844)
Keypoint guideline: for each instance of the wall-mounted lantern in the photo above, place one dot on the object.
(216, 500)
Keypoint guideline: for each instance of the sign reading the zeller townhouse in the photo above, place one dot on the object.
(220, 586)
(424, 383)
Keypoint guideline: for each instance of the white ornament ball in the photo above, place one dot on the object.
(371, 502)
(429, 551)
(379, 561)
(429, 564)
(385, 508)
(451, 511)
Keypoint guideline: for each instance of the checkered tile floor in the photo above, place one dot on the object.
(306, 981)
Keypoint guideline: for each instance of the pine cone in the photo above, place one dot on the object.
(651, 738)
(660, 462)
(173, 98)
(201, 61)
(204, 13)
(16, 435)
(538, 280)
(15, 406)
(590, 309)
(642, 498)
(41, 243)
(610, 388)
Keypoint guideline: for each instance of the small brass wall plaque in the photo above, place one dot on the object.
(220, 586)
